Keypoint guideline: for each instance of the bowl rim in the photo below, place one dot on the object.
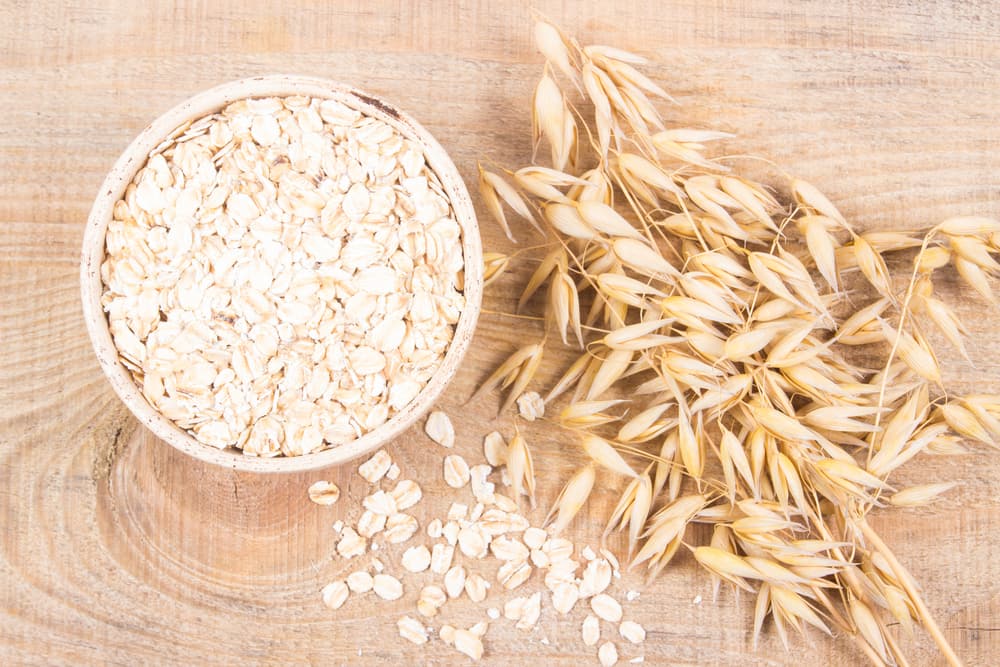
(134, 158)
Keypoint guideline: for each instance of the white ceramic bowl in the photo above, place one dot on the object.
(134, 158)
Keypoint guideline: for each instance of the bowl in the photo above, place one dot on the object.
(135, 157)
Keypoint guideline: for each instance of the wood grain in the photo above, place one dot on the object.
(117, 550)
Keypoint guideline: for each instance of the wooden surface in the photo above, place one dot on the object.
(117, 550)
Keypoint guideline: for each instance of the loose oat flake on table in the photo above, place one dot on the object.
(283, 275)
(470, 539)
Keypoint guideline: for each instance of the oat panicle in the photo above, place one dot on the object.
(729, 329)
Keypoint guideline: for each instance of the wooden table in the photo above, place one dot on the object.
(117, 550)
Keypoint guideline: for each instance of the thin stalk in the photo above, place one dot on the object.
(906, 581)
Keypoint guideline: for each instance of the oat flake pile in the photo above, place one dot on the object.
(283, 276)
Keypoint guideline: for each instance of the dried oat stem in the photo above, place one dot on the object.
(906, 580)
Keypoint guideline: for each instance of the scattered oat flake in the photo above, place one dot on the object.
(399, 528)
(493, 613)
(450, 532)
(563, 571)
(495, 449)
(596, 578)
(376, 467)
(324, 493)
(380, 502)
(607, 654)
(440, 429)
(564, 597)
(416, 559)
(634, 595)
(412, 630)
(351, 544)
(508, 549)
(530, 406)
(696, 600)
(454, 581)
(479, 629)
(468, 643)
(406, 493)
(539, 558)
(591, 630)
(360, 581)
(512, 608)
(370, 523)
(632, 631)
(472, 542)
(606, 607)
(431, 599)
(558, 548)
(610, 557)
(534, 538)
(393, 472)
(387, 587)
(530, 612)
(513, 573)
(441, 557)
(639, 659)
(335, 594)
(457, 512)
(482, 488)
(476, 587)
(504, 503)
(456, 471)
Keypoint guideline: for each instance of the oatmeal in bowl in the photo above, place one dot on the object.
(281, 273)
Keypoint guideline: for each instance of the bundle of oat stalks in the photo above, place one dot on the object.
(733, 322)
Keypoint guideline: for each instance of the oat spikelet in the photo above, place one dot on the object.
(603, 117)
(550, 120)
(609, 370)
(564, 307)
(571, 499)
(494, 264)
(555, 260)
(634, 509)
(873, 267)
(488, 192)
(517, 371)
(869, 628)
(808, 195)
(946, 321)
(726, 565)
(916, 496)
(520, 468)
(607, 220)
(601, 452)
(552, 44)
(822, 246)
(510, 196)
(638, 256)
